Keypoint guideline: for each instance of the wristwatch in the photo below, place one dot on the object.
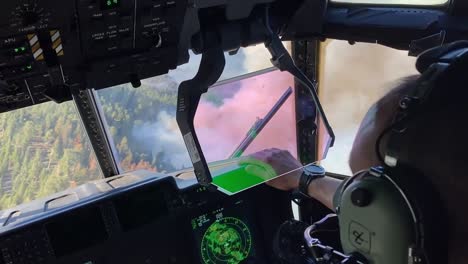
(309, 174)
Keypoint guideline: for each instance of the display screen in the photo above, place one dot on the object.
(77, 231)
(140, 207)
(225, 235)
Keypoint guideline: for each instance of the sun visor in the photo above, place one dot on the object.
(245, 115)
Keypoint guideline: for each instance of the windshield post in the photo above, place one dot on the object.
(211, 67)
(95, 125)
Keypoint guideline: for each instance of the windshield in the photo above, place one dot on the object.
(143, 121)
(43, 150)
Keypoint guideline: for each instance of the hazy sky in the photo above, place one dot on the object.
(355, 76)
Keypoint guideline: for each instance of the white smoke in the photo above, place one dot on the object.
(165, 140)
(355, 77)
(256, 58)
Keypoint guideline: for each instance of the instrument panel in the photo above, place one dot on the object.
(50, 48)
(144, 218)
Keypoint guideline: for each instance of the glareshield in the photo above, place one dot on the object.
(245, 115)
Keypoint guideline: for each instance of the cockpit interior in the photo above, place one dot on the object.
(129, 128)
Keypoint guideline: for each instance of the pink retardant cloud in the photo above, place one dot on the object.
(221, 128)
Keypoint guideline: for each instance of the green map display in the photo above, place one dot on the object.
(226, 235)
(236, 175)
(227, 240)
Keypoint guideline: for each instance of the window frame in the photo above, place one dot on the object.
(93, 121)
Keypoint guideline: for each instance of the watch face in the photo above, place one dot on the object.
(314, 169)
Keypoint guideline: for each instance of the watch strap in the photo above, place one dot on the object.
(305, 180)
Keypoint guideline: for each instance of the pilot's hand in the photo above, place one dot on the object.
(282, 162)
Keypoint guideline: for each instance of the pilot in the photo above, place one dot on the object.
(435, 143)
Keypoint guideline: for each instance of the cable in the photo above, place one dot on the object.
(267, 20)
(379, 141)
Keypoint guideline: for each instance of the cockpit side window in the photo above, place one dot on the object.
(353, 77)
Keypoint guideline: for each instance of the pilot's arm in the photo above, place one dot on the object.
(282, 161)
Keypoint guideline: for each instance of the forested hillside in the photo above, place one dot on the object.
(43, 149)
(129, 111)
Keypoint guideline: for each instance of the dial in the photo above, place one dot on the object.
(226, 241)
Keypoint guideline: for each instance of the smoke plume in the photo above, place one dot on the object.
(164, 140)
(222, 127)
(355, 77)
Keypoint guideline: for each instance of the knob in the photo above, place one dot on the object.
(135, 80)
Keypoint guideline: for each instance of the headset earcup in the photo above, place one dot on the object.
(432, 227)
(374, 220)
